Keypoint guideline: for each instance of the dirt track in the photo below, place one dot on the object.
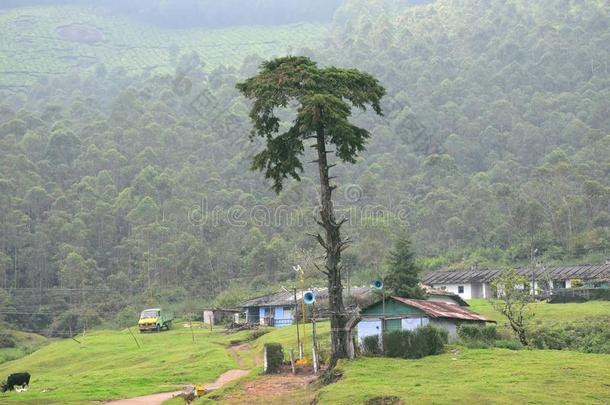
(158, 399)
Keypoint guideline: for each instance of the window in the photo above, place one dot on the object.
(460, 289)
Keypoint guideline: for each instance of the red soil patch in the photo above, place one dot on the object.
(83, 33)
(285, 388)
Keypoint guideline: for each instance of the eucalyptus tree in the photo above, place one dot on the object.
(323, 98)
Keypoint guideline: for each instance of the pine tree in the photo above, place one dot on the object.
(402, 271)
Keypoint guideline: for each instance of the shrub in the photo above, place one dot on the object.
(371, 345)
(257, 333)
(603, 294)
(7, 340)
(127, 316)
(275, 357)
(470, 332)
(423, 341)
(588, 336)
(384, 400)
(509, 344)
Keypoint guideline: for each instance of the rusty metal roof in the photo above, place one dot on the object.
(442, 310)
(286, 298)
(586, 272)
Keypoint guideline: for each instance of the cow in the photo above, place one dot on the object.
(16, 380)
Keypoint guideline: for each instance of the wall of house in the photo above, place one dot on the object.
(455, 288)
(447, 324)
(391, 309)
(414, 323)
(252, 315)
(471, 290)
(283, 316)
(372, 326)
(368, 327)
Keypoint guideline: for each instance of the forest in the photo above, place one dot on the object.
(119, 188)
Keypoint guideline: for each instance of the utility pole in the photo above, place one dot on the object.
(296, 318)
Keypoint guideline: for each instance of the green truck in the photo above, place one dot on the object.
(155, 319)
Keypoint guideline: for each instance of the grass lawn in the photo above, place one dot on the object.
(109, 365)
(489, 376)
(546, 313)
(25, 343)
(287, 337)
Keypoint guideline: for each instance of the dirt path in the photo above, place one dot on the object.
(284, 389)
(158, 399)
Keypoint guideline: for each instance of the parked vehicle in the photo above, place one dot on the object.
(155, 319)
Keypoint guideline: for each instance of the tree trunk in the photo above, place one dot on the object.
(332, 244)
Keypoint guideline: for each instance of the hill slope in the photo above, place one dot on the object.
(118, 189)
(109, 365)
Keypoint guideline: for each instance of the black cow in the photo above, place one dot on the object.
(16, 380)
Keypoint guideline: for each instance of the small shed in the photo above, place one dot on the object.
(399, 313)
(217, 316)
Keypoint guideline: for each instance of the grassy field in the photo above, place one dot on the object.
(491, 376)
(109, 365)
(33, 42)
(26, 343)
(546, 313)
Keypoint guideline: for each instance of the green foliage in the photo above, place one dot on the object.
(275, 357)
(588, 336)
(495, 139)
(423, 341)
(602, 294)
(476, 333)
(514, 300)
(371, 345)
(324, 98)
(7, 340)
(402, 274)
(127, 316)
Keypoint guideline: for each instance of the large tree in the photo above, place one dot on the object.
(324, 98)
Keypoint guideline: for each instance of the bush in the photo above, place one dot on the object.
(127, 316)
(7, 340)
(371, 345)
(603, 294)
(509, 344)
(588, 336)
(275, 357)
(480, 333)
(423, 341)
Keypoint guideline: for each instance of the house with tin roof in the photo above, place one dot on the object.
(280, 308)
(397, 313)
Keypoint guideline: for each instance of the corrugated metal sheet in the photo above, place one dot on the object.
(586, 272)
(442, 310)
(286, 298)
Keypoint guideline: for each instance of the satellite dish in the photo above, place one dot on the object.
(309, 297)
(377, 285)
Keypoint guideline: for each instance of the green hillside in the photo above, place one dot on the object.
(16, 344)
(108, 365)
(120, 190)
(494, 376)
(46, 41)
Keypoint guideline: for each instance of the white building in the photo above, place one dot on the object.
(470, 284)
